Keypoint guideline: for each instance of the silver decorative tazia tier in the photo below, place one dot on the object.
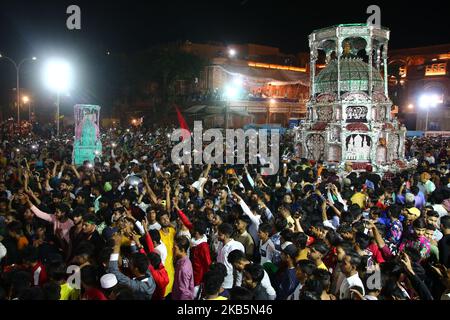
(349, 111)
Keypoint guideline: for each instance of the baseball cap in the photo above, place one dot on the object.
(291, 251)
(414, 211)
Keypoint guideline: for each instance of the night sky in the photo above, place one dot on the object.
(38, 28)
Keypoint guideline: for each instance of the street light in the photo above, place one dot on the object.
(231, 93)
(57, 75)
(26, 100)
(231, 52)
(238, 81)
(17, 66)
(428, 101)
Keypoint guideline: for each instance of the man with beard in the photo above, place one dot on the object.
(96, 196)
(135, 211)
(227, 244)
(167, 234)
(104, 210)
(61, 223)
(90, 233)
(76, 232)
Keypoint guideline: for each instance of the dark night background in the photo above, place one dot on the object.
(38, 28)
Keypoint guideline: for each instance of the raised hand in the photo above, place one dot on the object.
(334, 188)
(175, 201)
(136, 238)
(145, 224)
(406, 262)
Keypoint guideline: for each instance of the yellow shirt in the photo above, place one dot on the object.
(69, 293)
(125, 241)
(168, 239)
(302, 255)
(360, 199)
(322, 266)
(218, 298)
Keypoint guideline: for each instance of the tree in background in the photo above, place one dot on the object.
(150, 77)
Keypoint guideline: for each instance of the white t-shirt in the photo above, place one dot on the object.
(154, 226)
(430, 159)
(354, 280)
(222, 257)
(162, 250)
(267, 251)
(3, 251)
(333, 223)
(266, 284)
(439, 208)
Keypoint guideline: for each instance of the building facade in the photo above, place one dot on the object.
(419, 84)
(248, 84)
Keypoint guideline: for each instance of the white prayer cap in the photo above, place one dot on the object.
(347, 182)
(108, 281)
(409, 197)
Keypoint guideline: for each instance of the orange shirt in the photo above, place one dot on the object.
(22, 243)
(319, 171)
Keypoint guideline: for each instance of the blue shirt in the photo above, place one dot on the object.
(287, 285)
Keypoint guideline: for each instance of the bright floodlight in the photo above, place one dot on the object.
(25, 99)
(429, 100)
(232, 52)
(238, 81)
(231, 92)
(34, 58)
(272, 101)
(58, 75)
(410, 106)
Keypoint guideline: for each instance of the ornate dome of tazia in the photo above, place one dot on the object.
(354, 76)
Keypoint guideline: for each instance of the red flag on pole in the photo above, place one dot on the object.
(182, 122)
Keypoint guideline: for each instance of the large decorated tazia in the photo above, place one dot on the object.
(87, 144)
(349, 111)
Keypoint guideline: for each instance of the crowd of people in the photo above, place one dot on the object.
(133, 225)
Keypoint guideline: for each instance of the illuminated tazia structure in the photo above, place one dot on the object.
(349, 111)
(87, 145)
